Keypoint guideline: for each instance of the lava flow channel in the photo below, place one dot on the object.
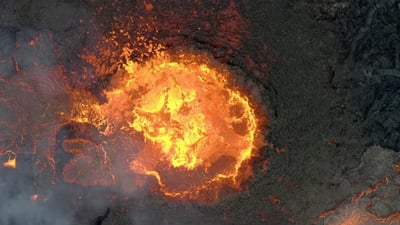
(197, 132)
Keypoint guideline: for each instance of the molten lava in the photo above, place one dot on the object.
(194, 123)
(196, 131)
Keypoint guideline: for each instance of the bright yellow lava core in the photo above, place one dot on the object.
(197, 131)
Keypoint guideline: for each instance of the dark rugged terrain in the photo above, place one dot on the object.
(332, 89)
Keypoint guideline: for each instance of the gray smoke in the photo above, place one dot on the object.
(39, 42)
(32, 93)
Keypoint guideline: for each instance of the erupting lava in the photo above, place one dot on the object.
(196, 132)
(164, 110)
(196, 124)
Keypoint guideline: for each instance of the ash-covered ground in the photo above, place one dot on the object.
(331, 77)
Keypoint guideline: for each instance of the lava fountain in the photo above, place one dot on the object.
(197, 132)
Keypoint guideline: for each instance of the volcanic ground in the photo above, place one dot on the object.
(117, 112)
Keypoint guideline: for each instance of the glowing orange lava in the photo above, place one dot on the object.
(197, 132)
(194, 122)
